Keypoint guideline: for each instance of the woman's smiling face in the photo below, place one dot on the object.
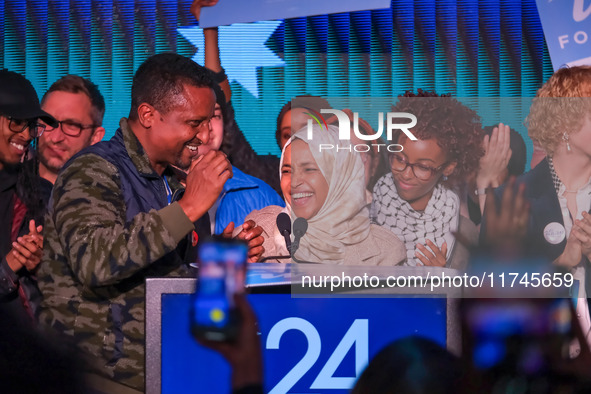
(427, 154)
(303, 184)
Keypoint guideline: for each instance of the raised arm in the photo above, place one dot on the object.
(235, 145)
(497, 153)
(211, 47)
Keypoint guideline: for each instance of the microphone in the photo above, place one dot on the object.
(300, 226)
(284, 226)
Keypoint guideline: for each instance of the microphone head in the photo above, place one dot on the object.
(284, 223)
(300, 226)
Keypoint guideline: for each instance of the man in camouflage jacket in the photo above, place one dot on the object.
(112, 220)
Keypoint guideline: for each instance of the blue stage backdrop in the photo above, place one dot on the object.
(488, 48)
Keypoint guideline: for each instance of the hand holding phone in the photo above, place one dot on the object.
(505, 340)
(221, 275)
(244, 354)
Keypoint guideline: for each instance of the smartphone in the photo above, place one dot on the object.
(523, 336)
(221, 274)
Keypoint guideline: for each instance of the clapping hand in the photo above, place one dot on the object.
(497, 153)
(27, 250)
(435, 257)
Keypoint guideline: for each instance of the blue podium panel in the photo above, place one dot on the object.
(311, 345)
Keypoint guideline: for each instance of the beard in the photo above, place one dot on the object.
(183, 164)
(53, 165)
(183, 160)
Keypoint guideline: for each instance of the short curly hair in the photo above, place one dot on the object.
(559, 107)
(456, 128)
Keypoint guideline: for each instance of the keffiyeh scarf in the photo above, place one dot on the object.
(436, 223)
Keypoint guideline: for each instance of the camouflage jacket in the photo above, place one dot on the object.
(108, 227)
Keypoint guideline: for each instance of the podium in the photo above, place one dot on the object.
(311, 343)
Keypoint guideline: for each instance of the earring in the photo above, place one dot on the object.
(565, 139)
(444, 178)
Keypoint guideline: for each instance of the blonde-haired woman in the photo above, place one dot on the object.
(559, 187)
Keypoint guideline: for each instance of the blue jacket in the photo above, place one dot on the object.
(241, 195)
(142, 188)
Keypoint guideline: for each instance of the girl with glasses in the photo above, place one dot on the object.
(417, 199)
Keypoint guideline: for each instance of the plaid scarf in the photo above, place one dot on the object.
(555, 179)
(436, 223)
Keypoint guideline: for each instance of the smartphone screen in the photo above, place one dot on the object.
(518, 335)
(222, 270)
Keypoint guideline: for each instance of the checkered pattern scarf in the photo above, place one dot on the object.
(555, 179)
(436, 222)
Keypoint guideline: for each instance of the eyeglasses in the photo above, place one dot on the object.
(19, 125)
(70, 128)
(399, 163)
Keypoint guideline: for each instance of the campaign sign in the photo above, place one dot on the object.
(309, 345)
(567, 28)
(227, 12)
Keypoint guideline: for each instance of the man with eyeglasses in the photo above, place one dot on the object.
(23, 196)
(78, 106)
